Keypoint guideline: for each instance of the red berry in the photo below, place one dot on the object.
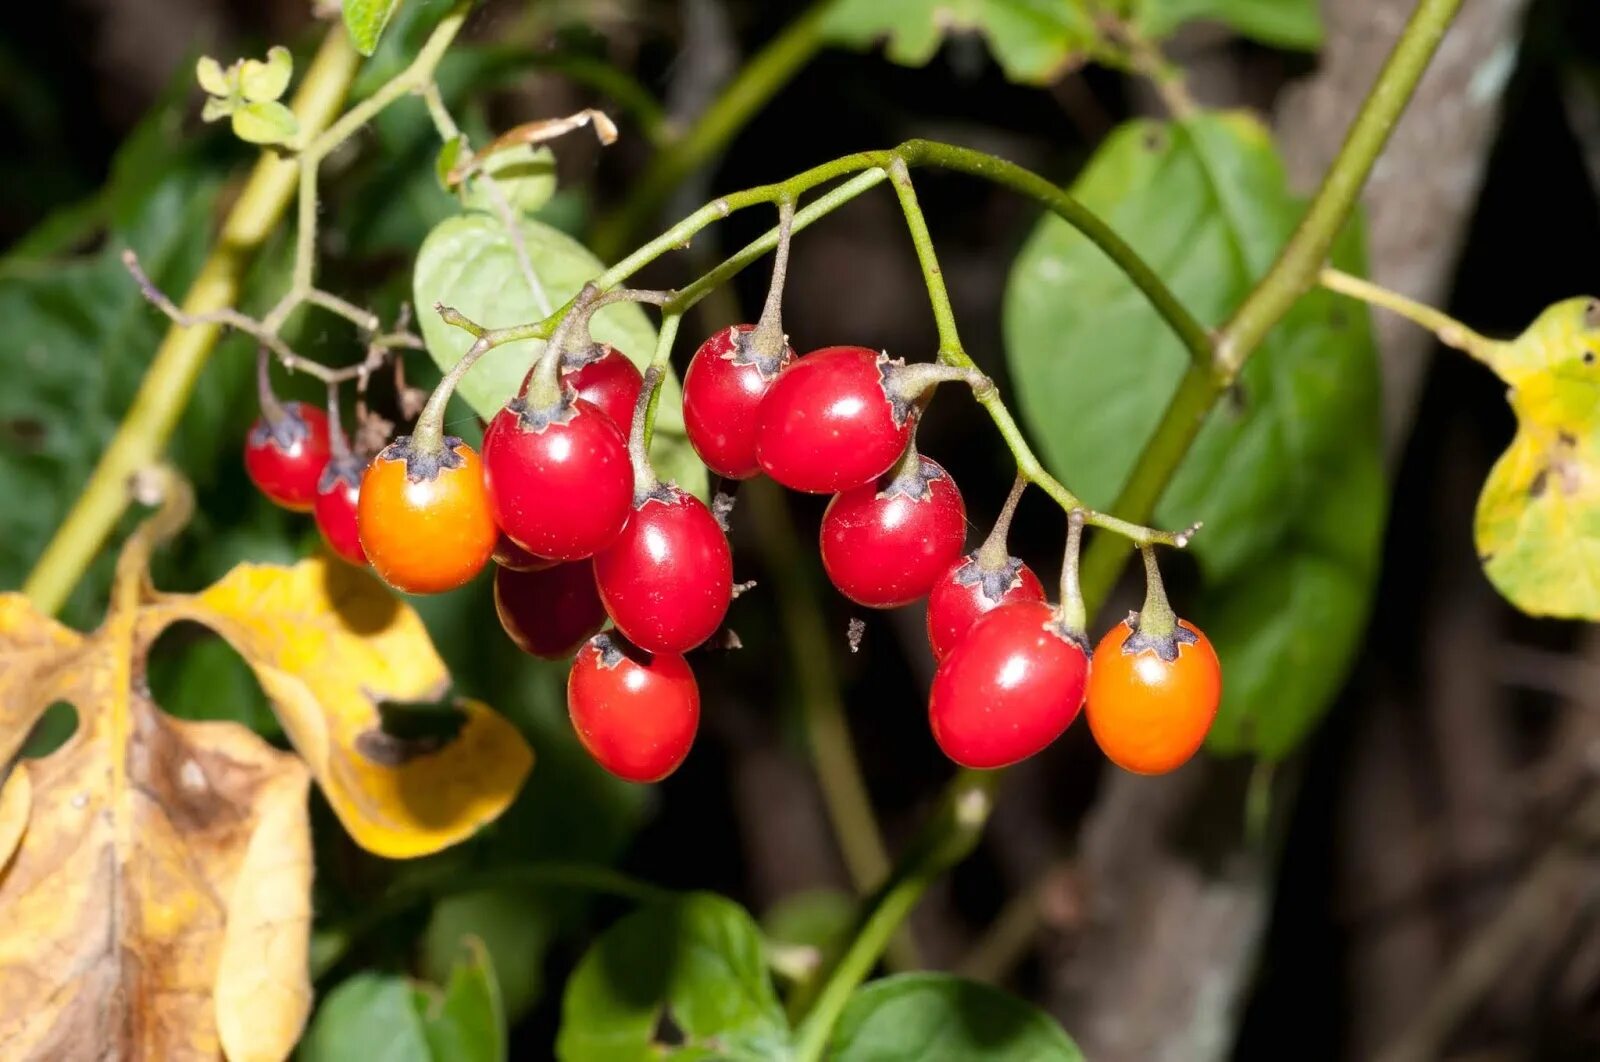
(1007, 689)
(508, 554)
(560, 484)
(828, 423)
(635, 713)
(551, 611)
(285, 455)
(668, 580)
(604, 377)
(337, 494)
(884, 543)
(726, 381)
(967, 590)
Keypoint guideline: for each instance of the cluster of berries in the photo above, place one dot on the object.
(564, 499)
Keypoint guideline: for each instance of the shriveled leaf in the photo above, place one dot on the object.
(469, 263)
(1538, 518)
(698, 959)
(935, 1017)
(266, 122)
(1035, 41)
(213, 79)
(1284, 23)
(366, 19)
(341, 657)
(260, 82)
(525, 175)
(168, 862)
(1286, 472)
(16, 804)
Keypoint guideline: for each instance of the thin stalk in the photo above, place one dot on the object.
(1448, 330)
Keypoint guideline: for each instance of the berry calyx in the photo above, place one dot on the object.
(286, 448)
(603, 376)
(1009, 688)
(558, 477)
(731, 373)
(980, 582)
(424, 517)
(549, 612)
(636, 713)
(885, 543)
(1155, 686)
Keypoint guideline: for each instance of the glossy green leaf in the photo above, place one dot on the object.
(266, 122)
(1286, 472)
(366, 19)
(934, 1017)
(1284, 23)
(525, 174)
(698, 959)
(1035, 41)
(469, 262)
(1538, 518)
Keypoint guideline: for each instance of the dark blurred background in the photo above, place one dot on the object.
(1430, 885)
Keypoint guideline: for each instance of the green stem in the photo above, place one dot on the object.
(757, 82)
(168, 382)
(1294, 273)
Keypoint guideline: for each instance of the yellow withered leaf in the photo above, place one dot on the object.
(330, 645)
(1538, 518)
(120, 906)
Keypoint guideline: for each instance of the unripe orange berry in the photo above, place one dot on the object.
(1150, 714)
(424, 518)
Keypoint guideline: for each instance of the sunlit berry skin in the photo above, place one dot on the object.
(424, 522)
(549, 612)
(606, 379)
(884, 543)
(1148, 714)
(508, 554)
(966, 591)
(722, 390)
(1008, 689)
(635, 712)
(285, 456)
(560, 487)
(338, 494)
(668, 580)
(827, 423)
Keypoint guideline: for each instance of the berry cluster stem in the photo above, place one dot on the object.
(768, 337)
(1156, 618)
(1074, 616)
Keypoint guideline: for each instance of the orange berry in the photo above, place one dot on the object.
(1150, 714)
(424, 519)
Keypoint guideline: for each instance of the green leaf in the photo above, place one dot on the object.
(266, 122)
(445, 161)
(1286, 472)
(1283, 23)
(378, 1012)
(1035, 41)
(464, 1023)
(365, 19)
(526, 176)
(817, 918)
(515, 927)
(217, 108)
(213, 79)
(933, 1017)
(469, 263)
(262, 82)
(699, 959)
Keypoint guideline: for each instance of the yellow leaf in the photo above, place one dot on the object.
(1538, 518)
(115, 906)
(330, 645)
(16, 800)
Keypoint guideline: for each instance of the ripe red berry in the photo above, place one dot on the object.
(829, 422)
(1152, 699)
(967, 590)
(560, 483)
(604, 377)
(884, 543)
(726, 381)
(634, 712)
(1009, 688)
(549, 612)
(667, 581)
(508, 554)
(424, 518)
(285, 452)
(338, 492)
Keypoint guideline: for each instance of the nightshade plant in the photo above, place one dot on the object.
(590, 496)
